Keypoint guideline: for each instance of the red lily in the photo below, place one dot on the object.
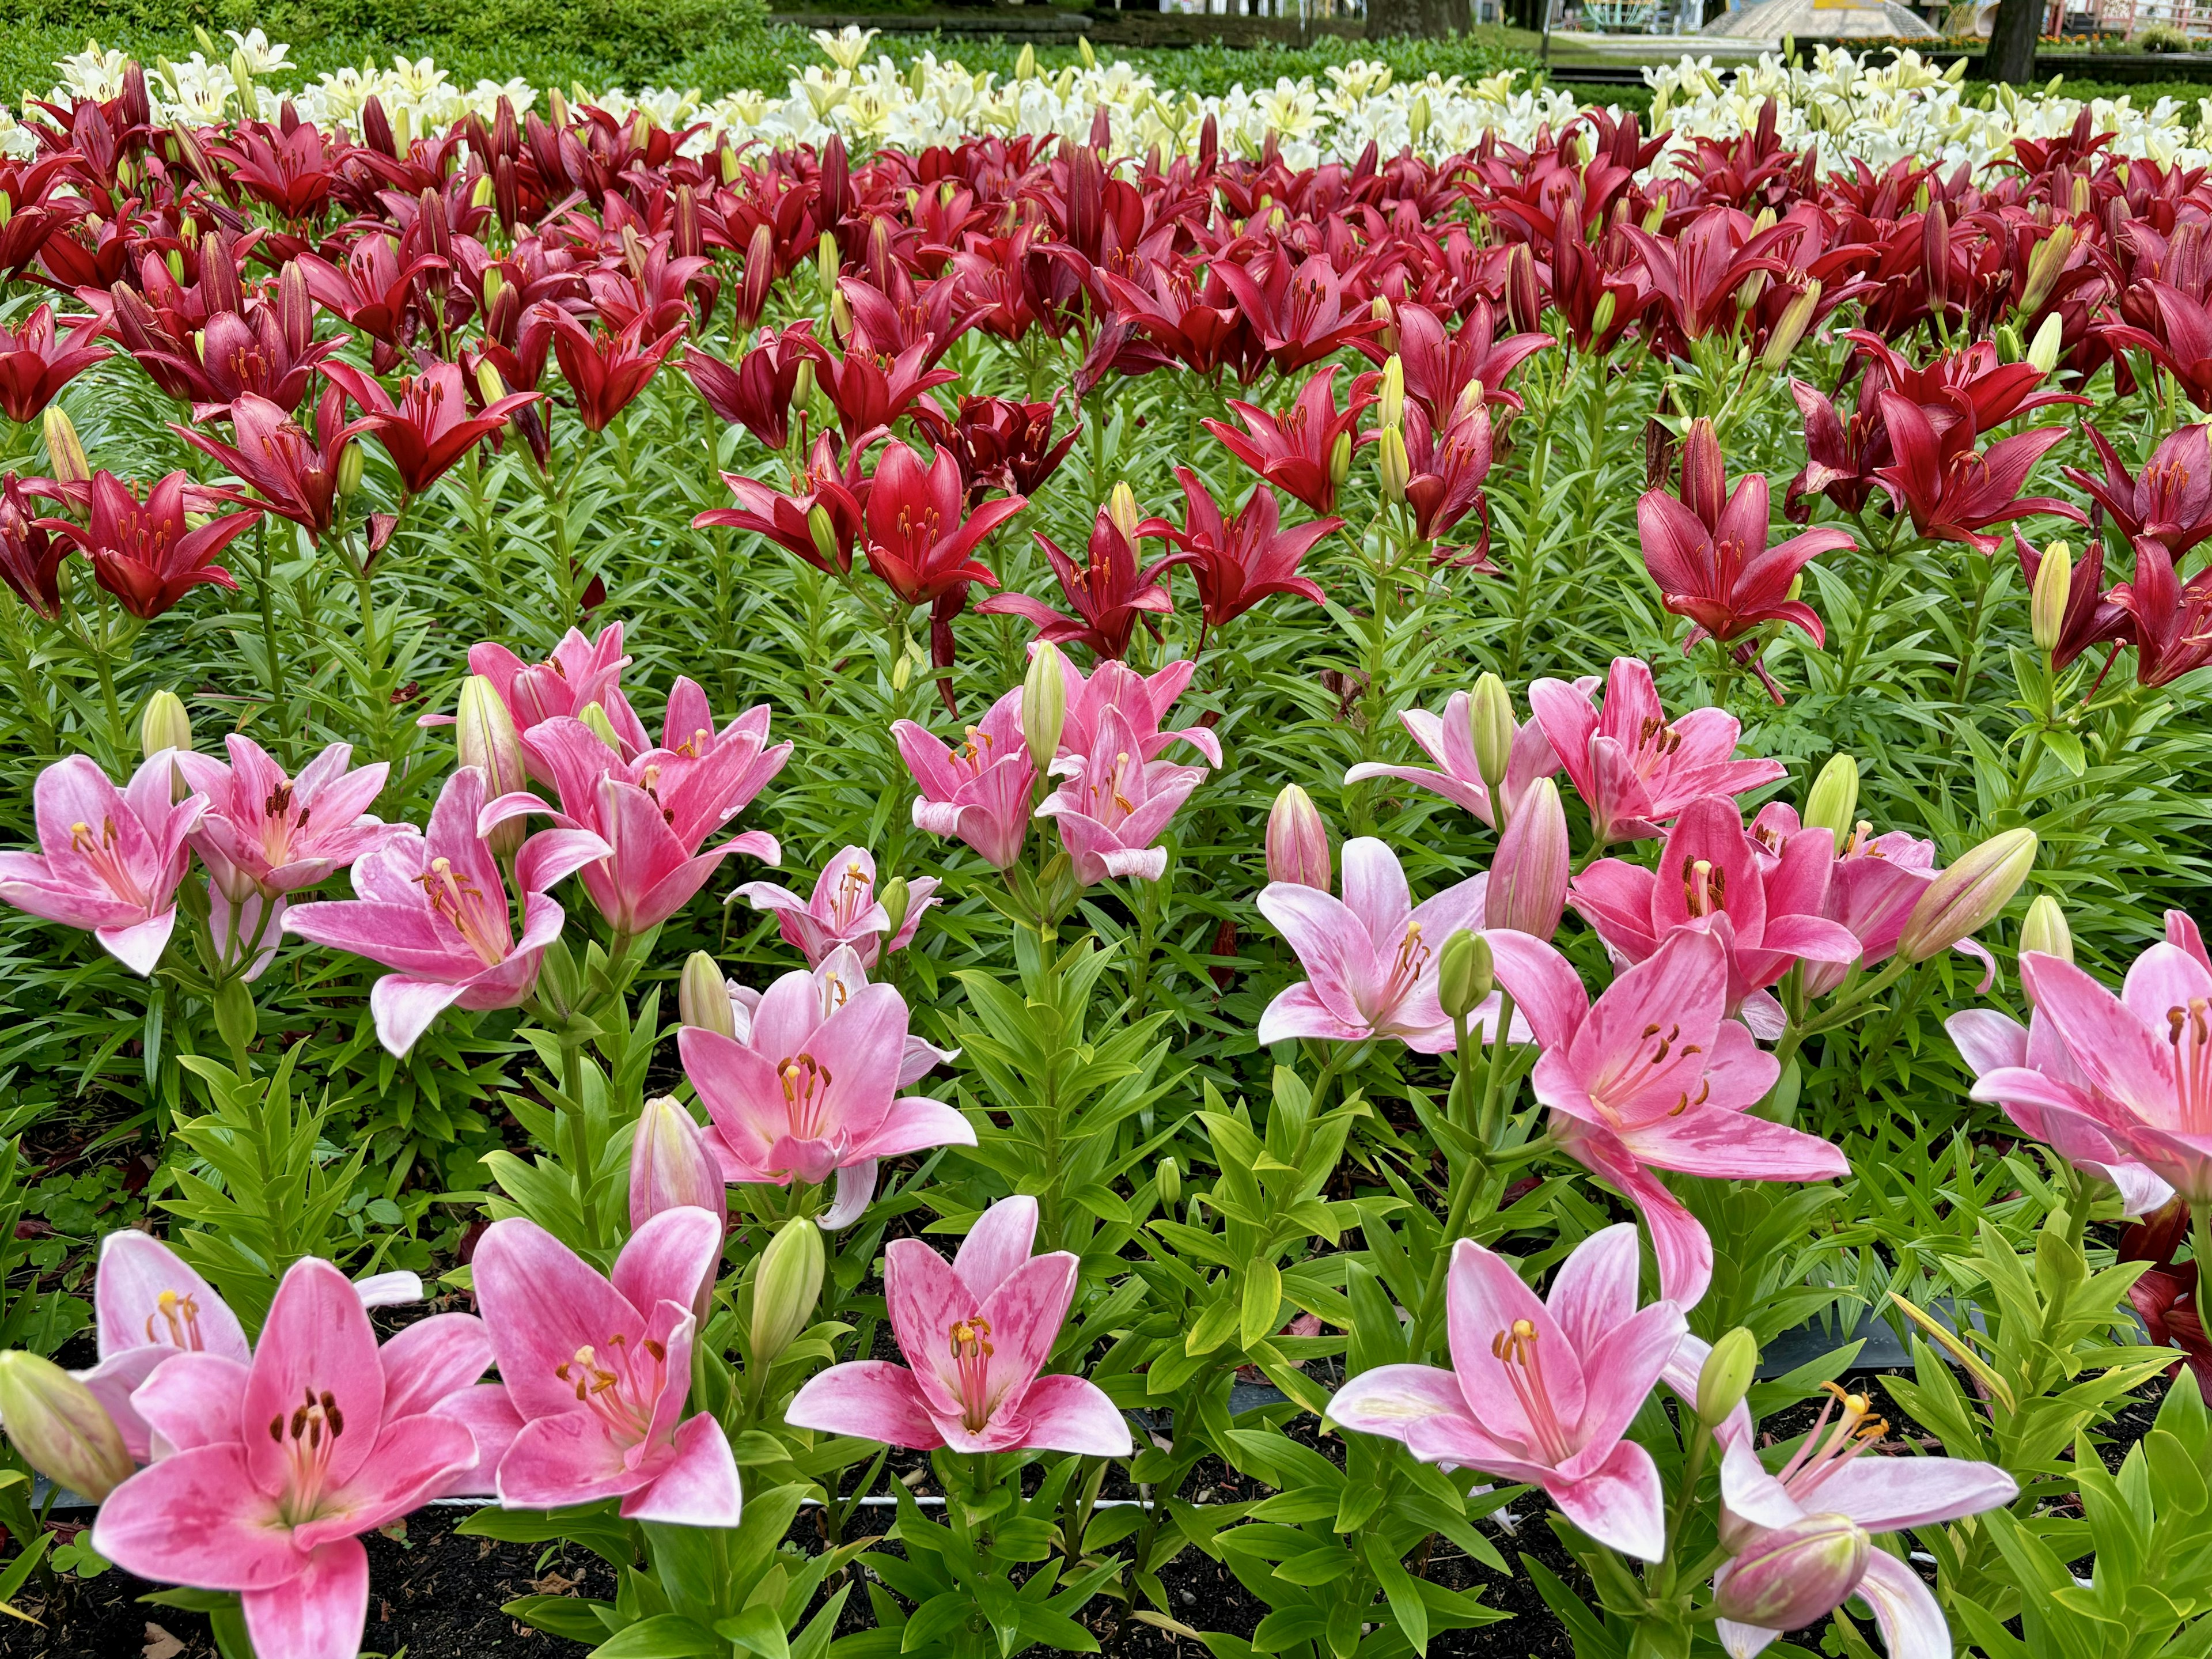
(605, 370)
(1000, 443)
(1841, 456)
(1300, 314)
(871, 390)
(267, 350)
(295, 475)
(30, 555)
(2179, 341)
(1708, 555)
(291, 171)
(1952, 491)
(1970, 385)
(1298, 451)
(2166, 1296)
(2170, 502)
(374, 292)
(653, 289)
(1237, 562)
(36, 213)
(1440, 366)
(1448, 467)
(757, 393)
(36, 362)
(921, 539)
(140, 547)
(1183, 317)
(430, 429)
(895, 321)
(789, 520)
(1108, 591)
(1697, 276)
(2172, 621)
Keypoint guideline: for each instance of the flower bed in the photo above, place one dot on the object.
(985, 850)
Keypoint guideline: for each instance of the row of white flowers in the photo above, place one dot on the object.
(1851, 108)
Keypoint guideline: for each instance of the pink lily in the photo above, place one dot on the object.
(981, 793)
(2146, 1054)
(1994, 1042)
(813, 1087)
(1766, 912)
(1540, 1391)
(598, 1369)
(837, 977)
(148, 1305)
(1832, 1473)
(111, 859)
(842, 910)
(434, 907)
(653, 812)
(581, 673)
(281, 1463)
(975, 1332)
(265, 834)
(1448, 740)
(1116, 804)
(1371, 957)
(1144, 701)
(1632, 766)
(1653, 1077)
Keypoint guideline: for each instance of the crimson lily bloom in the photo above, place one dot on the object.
(920, 539)
(1654, 1077)
(1709, 556)
(295, 475)
(1000, 443)
(2170, 621)
(2170, 502)
(607, 371)
(1954, 492)
(268, 350)
(1968, 384)
(1696, 273)
(36, 362)
(871, 390)
(1298, 452)
(1108, 591)
(1447, 465)
(1184, 317)
(30, 555)
(1297, 312)
(291, 171)
(789, 520)
(1439, 366)
(141, 547)
(2180, 342)
(430, 429)
(756, 394)
(1238, 563)
(1840, 456)
(2166, 1297)
(375, 293)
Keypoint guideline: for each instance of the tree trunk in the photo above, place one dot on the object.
(2012, 42)
(1386, 19)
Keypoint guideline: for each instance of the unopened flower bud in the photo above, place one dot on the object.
(350, 465)
(2043, 929)
(1968, 896)
(1390, 402)
(59, 1428)
(1472, 397)
(1796, 319)
(484, 738)
(1489, 728)
(65, 452)
(2054, 586)
(1297, 840)
(702, 997)
(1601, 313)
(785, 1288)
(670, 1165)
(2044, 266)
(489, 386)
(1789, 1577)
(823, 530)
(1465, 973)
(1528, 890)
(481, 195)
(1044, 706)
(595, 719)
(2043, 350)
(1379, 311)
(802, 385)
(164, 725)
(1834, 800)
(1121, 509)
(1168, 1179)
(895, 898)
(1340, 460)
(1394, 465)
(827, 263)
(841, 312)
(1725, 1377)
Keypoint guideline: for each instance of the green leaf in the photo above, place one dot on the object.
(758, 1630)
(567, 1616)
(1263, 1298)
(664, 1636)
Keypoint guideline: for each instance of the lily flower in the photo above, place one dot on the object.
(827, 511)
(296, 474)
(1446, 465)
(757, 393)
(1953, 492)
(975, 1334)
(1144, 701)
(434, 908)
(111, 859)
(871, 390)
(979, 792)
(2169, 620)
(606, 370)
(1654, 1077)
(1297, 310)
(282, 1463)
(1634, 768)
(430, 429)
(1371, 957)
(142, 548)
(1439, 366)
(266, 834)
(598, 1369)
(843, 910)
(36, 362)
(1236, 563)
(813, 1089)
(919, 537)
(1540, 1390)
(1449, 739)
(1108, 591)
(1115, 804)
(31, 554)
(1296, 451)
(837, 977)
(1000, 443)
(581, 672)
(2093, 615)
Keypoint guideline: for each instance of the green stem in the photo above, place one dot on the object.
(1487, 1124)
(266, 592)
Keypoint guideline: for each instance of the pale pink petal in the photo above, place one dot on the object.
(139, 946)
(1483, 1297)
(1374, 890)
(558, 1460)
(115, 1379)
(1025, 1312)
(1621, 1372)
(699, 1488)
(393, 1289)
(1888, 1494)
(135, 1269)
(1595, 1290)
(316, 1342)
(1067, 1413)
(489, 1415)
(1331, 944)
(197, 1518)
(1685, 1252)
(924, 1299)
(1620, 1505)
(856, 1190)
(870, 1399)
(404, 1008)
(1912, 1623)
(1735, 1146)
(413, 1457)
(1387, 1399)
(431, 1359)
(1545, 987)
(914, 1122)
(1299, 1012)
(189, 1400)
(541, 1303)
(999, 1241)
(669, 1258)
(320, 1614)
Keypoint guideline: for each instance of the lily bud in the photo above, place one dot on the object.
(785, 1288)
(1026, 67)
(1297, 840)
(1121, 509)
(827, 263)
(1529, 878)
(1789, 1577)
(2043, 349)
(1968, 896)
(164, 725)
(1340, 460)
(802, 385)
(1601, 313)
(1465, 973)
(65, 452)
(489, 386)
(1381, 311)
(2054, 586)
(60, 1429)
(1725, 1377)
(2044, 266)
(702, 999)
(1044, 706)
(670, 1165)
(1704, 476)
(1390, 403)
(1835, 799)
(824, 533)
(1796, 319)
(350, 465)
(841, 312)
(595, 718)
(1490, 726)
(1168, 1179)
(481, 195)
(1395, 466)
(484, 738)
(2044, 930)
(895, 898)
